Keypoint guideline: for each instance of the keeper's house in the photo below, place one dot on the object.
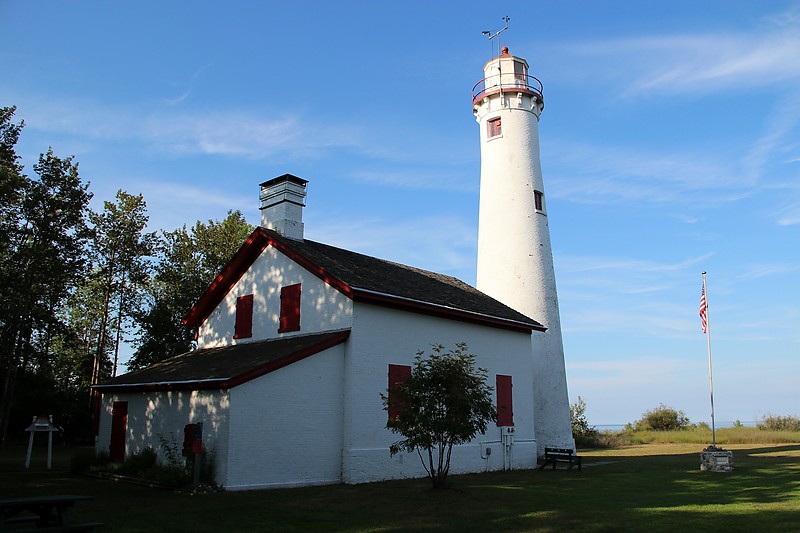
(296, 342)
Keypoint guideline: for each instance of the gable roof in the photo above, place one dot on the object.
(367, 279)
(224, 367)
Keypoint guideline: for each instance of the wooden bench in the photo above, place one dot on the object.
(553, 456)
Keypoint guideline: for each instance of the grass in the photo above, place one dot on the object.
(654, 487)
(699, 435)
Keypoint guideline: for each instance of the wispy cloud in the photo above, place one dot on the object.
(626, 265)
(177, 100)
(226, 132)
(777, 138)
(587, 173)
(789, 215)
(765, 55)
(761, 270)
(601, 294)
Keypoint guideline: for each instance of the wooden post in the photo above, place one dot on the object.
(32, 430)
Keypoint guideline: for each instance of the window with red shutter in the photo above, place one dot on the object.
(290, 309)
(505, 412)
(495, 127)
(244, 317)
(397, 374)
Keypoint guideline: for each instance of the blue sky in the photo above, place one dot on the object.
(670, 145)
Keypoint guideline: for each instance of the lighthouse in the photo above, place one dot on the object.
(515, 260)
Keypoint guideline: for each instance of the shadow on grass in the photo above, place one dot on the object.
(634, 493)
(665, 493)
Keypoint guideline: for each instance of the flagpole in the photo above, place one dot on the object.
(710, 369)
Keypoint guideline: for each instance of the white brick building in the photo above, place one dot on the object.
(296, 343)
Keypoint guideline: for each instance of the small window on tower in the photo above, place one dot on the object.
(495, 127)
(538, 200)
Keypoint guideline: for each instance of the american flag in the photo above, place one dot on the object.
(703, 310)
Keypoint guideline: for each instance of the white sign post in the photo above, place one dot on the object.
(40, 425)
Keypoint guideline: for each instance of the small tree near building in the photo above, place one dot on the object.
(444, 402)
(582, 432)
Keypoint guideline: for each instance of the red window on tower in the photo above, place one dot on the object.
(505, 412)
(397, 375)
(290, 309)
(495, 127)
(243, 328)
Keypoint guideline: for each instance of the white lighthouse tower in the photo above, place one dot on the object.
(515, 261)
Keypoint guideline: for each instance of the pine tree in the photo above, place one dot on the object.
(120, 249)
(43, 254)
(188, 261)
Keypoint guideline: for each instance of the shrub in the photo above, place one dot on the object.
(139, 462)
(172, 452)
(167, 475)
(662, 418)
(779, 423)
(445, 402)
(584, 435)
(82, 461)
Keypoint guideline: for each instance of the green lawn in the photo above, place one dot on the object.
(638, 488)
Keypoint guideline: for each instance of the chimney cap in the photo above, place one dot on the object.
(285, 177)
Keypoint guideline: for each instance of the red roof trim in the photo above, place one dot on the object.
(233, 381)
(224, 282)
(387, 300)
(242, 260)
(260, 239)
(288, 360)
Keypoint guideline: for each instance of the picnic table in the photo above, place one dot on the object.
(44, 513)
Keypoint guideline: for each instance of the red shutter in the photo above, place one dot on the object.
(397, 374)
(290, 309)
(505, 412)
(119, 429)
(244, 317)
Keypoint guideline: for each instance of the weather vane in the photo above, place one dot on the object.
(495, 34)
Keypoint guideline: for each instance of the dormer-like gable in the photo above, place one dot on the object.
(356, 277)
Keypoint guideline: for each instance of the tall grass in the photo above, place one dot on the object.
(697, 435)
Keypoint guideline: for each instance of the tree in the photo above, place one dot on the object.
(187, 263)
(445, 402)
(12, 180)
(43, 255)
(662, 418)
(581, 431)
(120, 249)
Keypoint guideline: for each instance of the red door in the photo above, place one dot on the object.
(119, 426)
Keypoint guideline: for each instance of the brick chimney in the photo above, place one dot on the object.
(282, 202)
